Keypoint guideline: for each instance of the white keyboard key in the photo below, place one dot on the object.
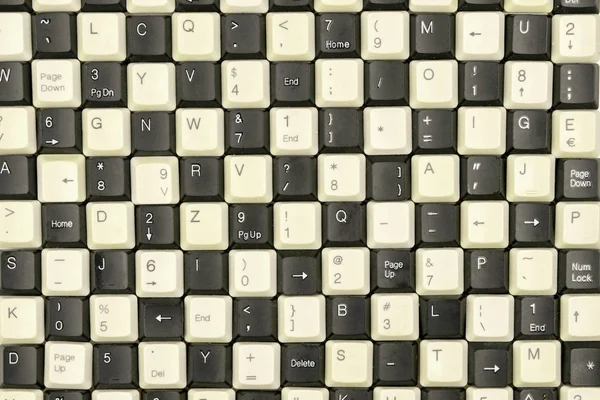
(113, 318)
(533, 272)
(342, 177)
(211, 394)
(530, 178)
(474, 393)
(115, 395)
(579, 317)
(29, 394)
(536, 363)
(575, 39)
(390, 224)
(439, 271)
(204, 226)
(401, 393)
(65, 272)
(155, 180)
(151, 6)
(296, 225)
(151, 87)
(446, 6)
(290, 36)
(61, 178)
(110, 225)
(349, 363)
(481, 130)
(162, 365)
(435, 178)
(159, 273)
(20, 224)
(68, 365)
(385, 35)
(208, 319)
(56, 5)
(491, 318)
(15, 37)
(56, 83)
(577, 225)
(484, 224)
(528, 85)
(293, 393)
(443, 363)
(245, 84)
(479, 36)
(294, 131)
(17, 128)
(434, 84)
(106, 132)
(578, 393)
(101, 37)
(387, 130)
(199, 131)
(576, 133)
(339, 82)
(256, 365)
(244, 6)
(302, 318)
(248, 179)
(528, 6)
(395, 316)
(345, 271)
(196, 36)
(21, 320)
(252, 273)
(322, 6)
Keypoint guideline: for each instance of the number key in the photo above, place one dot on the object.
(108, 179)
(247, 131)
(159, 273)
(115, 366)
(113, 318)
(155, 180)
(528, 85)
(252, 273)
(342, 177)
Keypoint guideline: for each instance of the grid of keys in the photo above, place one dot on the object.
(299, 200)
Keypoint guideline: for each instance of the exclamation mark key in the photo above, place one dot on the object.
(576, 86)
(339, 82)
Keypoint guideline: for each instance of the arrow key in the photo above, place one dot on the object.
(157, 226)
(161, 319)
(61, 178)
(532, 224)
(59, 130)
(489, 367)
(299, 274)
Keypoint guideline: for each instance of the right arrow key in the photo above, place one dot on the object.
(532, 224)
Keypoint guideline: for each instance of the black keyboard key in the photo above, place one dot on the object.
(148, 38)
(22, 367)
(580, 364)
(395, 364)
(108, 178)
(432, 36)
(338, 35)
(292, 84)
(198, 5)
(380, 5)
(489, 367)
(528, 37)
(341, 130)
(67, 319)
(243, 36)
(348, 317)
(15, 5)
(299, 273)
(481, 83)
(17, 178)
(255, 319)
(484, 177)
(198, 85)
(388, 180)
(536, 318)
(104, 84)
(576, 7)
(206, 272)
(434, 131)
(386, 83)
(104, 5)
(157, 226)
(247, 131)
(153, 133)
(442, 319)
(295, 178)
(438, 225)
(54, 35)
(528, 131)
(576, 86)
(578, 179)
(344, 224)
(59, 130)
(63, 225)
(15, 84)
(115, 367)
(480, 5)
(394, 270)
(161, 319)
(163, 395)
(532, 224)
(443, 394)
(112, 272)
(351, 394)
(486, 271)
(579, 271)
(303, 364)
(20, 273)
(209, 366)
(291, 5)
(254, 395)
(250, 225)
(201, 179)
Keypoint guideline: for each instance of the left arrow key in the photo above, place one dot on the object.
(161, 319)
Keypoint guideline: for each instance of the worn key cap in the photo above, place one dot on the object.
(115, 367)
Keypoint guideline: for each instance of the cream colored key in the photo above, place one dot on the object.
(491, 318)
(345, 271)
(385, 35)
(110, 225)
(484, 224)
(479, 36)
(536, 363)
(159, 273)
(151, 6)
(387, 130)
(15, 37)
(61, 178)
(245, 84)
(56, 83)
(533, 272)
(204, 226)
(65, 272)
(101, 37)
(252, 273)
(196, 37)
(294, 393)
(578, 393)
(211, 394)
(387, 393)
(578, 317)
(162, 365)
(113, 319)
(248, 179)
(21, 320)
(68, 365)
(322, 6)
(481, 130)
(577, 225)
(106, 132)
(115, 395)
(342, 177)
(530, 178)
(576, 133)
(474, 393)
(294, 131)
(528, 85)
(445, 6)
(339, 82)
(443, 363)
(151, 87)
(575, 38)
(435, 178)
(439, 271)
(256, 366)
(17, 130)
(25, 394)
(290, 36)
(302, 318)
(395, 316)
(244, 6)
(390, 224)
(20, 224)
(528, 6)
(208, 319)
(433, 84)
(297, 225)
(349, 363)
(199, 131)
(154, 180)
(56, 5)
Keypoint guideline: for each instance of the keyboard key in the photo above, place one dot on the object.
(154, 357)
(17, 177)
(244, 6)
(394, 317)
(342, 177)
(255, 319)
(345, 271)
(537, 317)
(252, 273)
(22, 320)
(61, 178)
(579, 364)
(151, 173)
(568, 137)
(390, 224)
(151, 87)
(245, 84)
(65, 272)
(18, 130)
(491, 318)
(498, 393)
(528, 37)
(110, 225)
(256, 365)
(387, 130)
(290, 36)
(585, 6)
(63, 225)
(54, 35)
(567, 34)
(446, 6)
(204, 226)
(293, 83)
(443, 363)
(196, 36)
(339, 82)
(571, 91)
(475, 135)
(432, 36)
(23, 366)
(114, 394)
(159, 273)
(104, 5)
(150, 6)
(248, 179)
(190, 122)
(528, 85)
(15, 36)
(442, 319)
(297, 225)
(434, 84)
(208, 319)
(576, 225)
(384, 35)
(56, 5)
(439, 271)
(480, 36)
(113, 318)
(576, 321)
(484, 224)
(435, 178)
(56, 83)
(294, 131)
(243, 36)
(348, 363)
(395, 76)
(338, 6)
(68, 365)
(528, 131)
(306, 326)
(15, 83)
(208, 365)
(536, 363)
(533, 6)
(530, 178)
(198, 84)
